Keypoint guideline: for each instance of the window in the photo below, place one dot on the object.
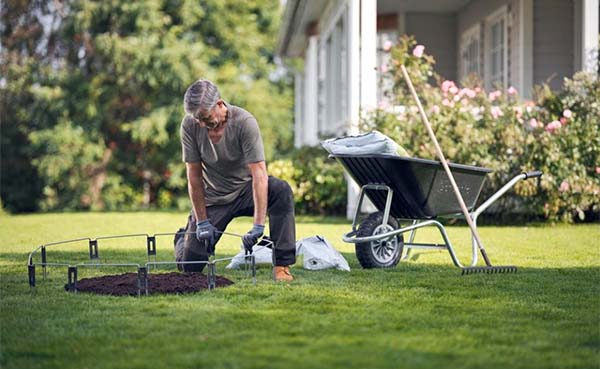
(496, 71)
(470, 52)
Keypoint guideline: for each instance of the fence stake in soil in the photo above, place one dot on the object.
(31, 270)
(142, 281)
(44, 260)
(93, 249)
(72, 279)
(211, 276)
(151, 243)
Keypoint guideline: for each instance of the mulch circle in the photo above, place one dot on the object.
(127, 283)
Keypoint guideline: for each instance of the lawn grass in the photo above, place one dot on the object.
(420, 314)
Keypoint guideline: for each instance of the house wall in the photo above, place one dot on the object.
(438, 33)
(553, 35)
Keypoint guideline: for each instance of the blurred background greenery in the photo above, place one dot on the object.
(91, 102)
(91, 95)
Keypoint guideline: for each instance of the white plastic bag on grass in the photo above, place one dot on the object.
(319, 254)
(262, 255)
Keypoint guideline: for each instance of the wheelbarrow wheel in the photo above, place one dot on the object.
(384, 253)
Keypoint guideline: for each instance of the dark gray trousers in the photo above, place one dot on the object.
(282, 224)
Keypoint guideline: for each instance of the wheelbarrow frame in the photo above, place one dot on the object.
(351, 237)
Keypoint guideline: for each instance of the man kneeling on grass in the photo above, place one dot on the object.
(227, 178)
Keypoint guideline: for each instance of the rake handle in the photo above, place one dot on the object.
(440, 155)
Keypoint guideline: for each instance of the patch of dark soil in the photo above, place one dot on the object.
(127, 283)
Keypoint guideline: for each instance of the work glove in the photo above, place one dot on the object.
(207, 233)
(251, 238)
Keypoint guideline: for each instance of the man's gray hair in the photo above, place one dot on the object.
(201, 95)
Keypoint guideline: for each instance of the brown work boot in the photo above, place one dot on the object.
(282, 273)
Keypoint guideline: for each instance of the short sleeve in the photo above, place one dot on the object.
(251, 141)
(189, 146)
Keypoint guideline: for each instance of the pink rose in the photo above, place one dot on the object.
(496, 112)
(447, 102)
(435, 109)
(563, 121)
(467, 91)
(494, 95)
(453, 90)
(564, 186)
(518, 111)
(387, 45)
(533, 123)
(597, 170)
(553, 126)
(446, 85)
(567, 113)
(418, 51)
(511, 90)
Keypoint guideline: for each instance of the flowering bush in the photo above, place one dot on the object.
(556, 132)
(317, 182)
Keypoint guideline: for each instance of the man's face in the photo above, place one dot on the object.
(212, 119)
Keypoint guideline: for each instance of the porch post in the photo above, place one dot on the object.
(368, 54)
(589, 36)
(525, 48)
(311, 93)
(362, 78)
(353, 56)
(298, 108)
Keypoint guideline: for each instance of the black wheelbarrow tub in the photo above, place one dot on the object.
(421, 187)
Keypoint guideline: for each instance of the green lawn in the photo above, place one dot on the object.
(422, 313)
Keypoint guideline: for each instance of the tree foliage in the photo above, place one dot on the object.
(92, 94)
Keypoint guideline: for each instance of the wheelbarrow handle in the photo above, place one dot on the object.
(533, 174)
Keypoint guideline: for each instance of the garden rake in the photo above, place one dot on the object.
(488, 268)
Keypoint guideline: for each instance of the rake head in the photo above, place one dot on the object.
(489, 269)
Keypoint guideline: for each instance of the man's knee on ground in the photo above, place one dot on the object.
(281, 197)
(193, 252)
(280, 188)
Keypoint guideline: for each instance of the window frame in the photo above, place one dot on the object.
(470, 35)
(500, 15)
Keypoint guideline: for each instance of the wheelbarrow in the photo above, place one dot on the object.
(415, 192)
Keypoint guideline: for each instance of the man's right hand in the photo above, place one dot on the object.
(206, 232)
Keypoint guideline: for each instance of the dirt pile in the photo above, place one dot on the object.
(127, 283)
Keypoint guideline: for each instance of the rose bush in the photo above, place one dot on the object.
(555, 132)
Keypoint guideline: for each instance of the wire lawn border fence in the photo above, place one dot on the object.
(142, 269)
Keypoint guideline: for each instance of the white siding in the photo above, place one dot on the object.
(553, 35)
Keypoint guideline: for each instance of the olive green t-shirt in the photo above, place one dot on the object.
(224, 164)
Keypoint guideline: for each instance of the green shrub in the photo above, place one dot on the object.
(556, 132)
(317, 182)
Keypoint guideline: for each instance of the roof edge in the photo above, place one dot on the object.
(286, 29)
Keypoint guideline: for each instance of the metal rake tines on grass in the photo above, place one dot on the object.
(489, 269)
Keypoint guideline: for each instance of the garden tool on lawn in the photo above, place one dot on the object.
(488, 268)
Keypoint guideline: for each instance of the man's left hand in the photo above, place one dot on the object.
(251, 238)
